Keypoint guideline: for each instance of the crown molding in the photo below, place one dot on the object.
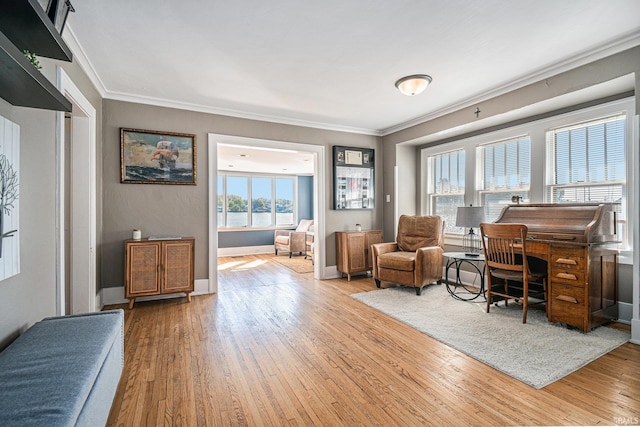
(86, 65)
(83, 61)
(616, 46)
(160, 102)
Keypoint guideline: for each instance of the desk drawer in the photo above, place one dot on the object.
(568, 304)
(567, 276)
(567, 258)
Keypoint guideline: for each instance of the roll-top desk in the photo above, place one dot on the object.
(578, 243)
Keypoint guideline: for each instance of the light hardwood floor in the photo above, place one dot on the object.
(274, 347)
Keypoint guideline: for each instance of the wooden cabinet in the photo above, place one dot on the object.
(155, 267)
(353, 250)
(582, 285)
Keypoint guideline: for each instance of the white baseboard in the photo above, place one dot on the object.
(115, 295)
(635, 331)
(331, 272)
(246, 250)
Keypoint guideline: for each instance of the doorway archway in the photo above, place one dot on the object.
(318, 202)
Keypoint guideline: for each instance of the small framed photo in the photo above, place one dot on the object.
(153, 157)
(58, 12)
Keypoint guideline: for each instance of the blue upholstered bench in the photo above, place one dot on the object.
(63, 371)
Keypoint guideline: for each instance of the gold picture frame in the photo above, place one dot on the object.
(155, 157)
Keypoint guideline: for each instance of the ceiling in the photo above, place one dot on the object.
(243, 158)
(333, 64)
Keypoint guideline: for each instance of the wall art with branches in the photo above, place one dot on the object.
(9, 192)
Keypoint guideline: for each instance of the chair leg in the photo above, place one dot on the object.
(525, 301)
(418, 290)
(506, 291)
(377, 283)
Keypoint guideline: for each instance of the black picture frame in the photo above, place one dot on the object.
(353, 178)
(58, 12)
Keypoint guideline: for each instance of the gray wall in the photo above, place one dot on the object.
(397, 146)
(305, 197)
(183, 210)
(31, 295)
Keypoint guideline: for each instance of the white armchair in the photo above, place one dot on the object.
(292, 241)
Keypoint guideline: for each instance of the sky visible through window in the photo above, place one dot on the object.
(239, 186)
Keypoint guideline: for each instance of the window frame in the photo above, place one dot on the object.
(431, 185)
(480, 172)
(222, 177)
(551, 185)
(540, 173)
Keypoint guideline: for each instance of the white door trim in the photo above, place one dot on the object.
(84, 297)
(318, 198)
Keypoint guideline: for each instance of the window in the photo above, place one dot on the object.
(446, 187)
(581, 156)
(237, 201)
(261, 201)
(284, 201)
(587, 161)
(272, 200)
(505, 169)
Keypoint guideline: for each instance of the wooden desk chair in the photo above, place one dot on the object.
(508, 273)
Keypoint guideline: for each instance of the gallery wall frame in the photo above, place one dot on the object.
(157, 157)
(9, 199)
(353, 178)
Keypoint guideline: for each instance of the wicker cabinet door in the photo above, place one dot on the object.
(357, 255)
(177, 266)
(142, 269)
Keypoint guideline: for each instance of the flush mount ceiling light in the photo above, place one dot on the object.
(413, 85)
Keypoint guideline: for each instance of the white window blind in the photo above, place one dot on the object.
(446, 186)
(505, 168)
(588, 164)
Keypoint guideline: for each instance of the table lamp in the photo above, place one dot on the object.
(470, 216)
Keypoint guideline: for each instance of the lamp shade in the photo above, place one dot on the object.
(469, 216)
(413, 85)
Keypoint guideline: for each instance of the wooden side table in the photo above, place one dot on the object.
(468, 293)
(353, 250)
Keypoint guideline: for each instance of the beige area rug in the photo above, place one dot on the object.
(296, 263)
(536, 353)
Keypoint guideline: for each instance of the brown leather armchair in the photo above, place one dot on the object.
(292, 241)
(416, 258)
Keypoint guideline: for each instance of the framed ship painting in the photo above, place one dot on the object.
(153, 157)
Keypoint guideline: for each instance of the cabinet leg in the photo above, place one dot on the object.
(131, 301)
(188, 296)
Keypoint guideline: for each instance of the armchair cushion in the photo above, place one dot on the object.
(418, 232)
(282, 238)
(304, 225)
(405, 261)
